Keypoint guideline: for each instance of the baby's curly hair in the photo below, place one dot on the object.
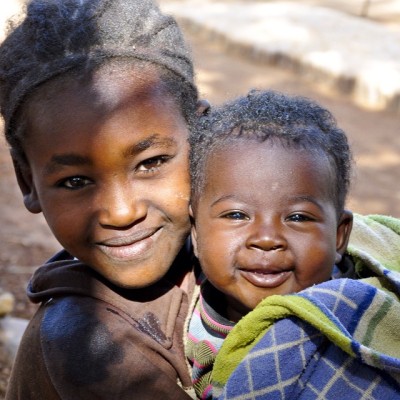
(295, 122)
(60, 37)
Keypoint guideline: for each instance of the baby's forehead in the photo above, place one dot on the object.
(227, 154)
(251, 167)
(241, 143)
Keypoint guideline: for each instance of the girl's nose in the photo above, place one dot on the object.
(121, 208)
(266, 237)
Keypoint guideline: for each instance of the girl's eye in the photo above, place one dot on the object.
(75, 182)
(236, 215)
(152, 164)
(299, 218)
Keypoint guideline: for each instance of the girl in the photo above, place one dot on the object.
(97, 98)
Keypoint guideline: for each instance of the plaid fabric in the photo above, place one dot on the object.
(337, 340)
(295, 360)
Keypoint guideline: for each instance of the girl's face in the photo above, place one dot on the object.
(108, 167)
(266, 223)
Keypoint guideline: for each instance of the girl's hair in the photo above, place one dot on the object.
(293, 122)
(59, 37)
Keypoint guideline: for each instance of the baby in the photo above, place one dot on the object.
(270, 175)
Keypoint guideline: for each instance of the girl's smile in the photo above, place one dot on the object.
(127, 248)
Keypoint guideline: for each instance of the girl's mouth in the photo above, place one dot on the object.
(128, 248)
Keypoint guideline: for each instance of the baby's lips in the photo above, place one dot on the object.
(265, 278)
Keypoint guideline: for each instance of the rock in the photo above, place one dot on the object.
(6, 303)
(11, 331)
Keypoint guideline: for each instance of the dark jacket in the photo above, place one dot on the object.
(92, 340)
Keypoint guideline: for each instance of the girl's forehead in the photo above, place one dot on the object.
(105, 100)
(116, 81)
(104, 90)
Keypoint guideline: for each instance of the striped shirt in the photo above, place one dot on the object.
(207, 331)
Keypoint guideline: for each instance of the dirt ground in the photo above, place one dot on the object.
(25, 241)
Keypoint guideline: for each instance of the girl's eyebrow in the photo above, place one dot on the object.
(70, 159)
(154, 140)
(59, 161)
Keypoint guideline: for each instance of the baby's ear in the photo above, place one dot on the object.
(203, 106)
(26, 185)
(193, 233)
(344, 227)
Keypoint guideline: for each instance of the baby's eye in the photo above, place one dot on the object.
(75, 182)
(152, 164)
(299, 218)
(235, 215)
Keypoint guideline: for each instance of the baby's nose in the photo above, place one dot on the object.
(266, 237)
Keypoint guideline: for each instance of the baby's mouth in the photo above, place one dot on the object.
(264, 278)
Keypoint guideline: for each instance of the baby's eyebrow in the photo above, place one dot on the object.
(151, 141)
(306, 199)
(58, 161)
(223, 198)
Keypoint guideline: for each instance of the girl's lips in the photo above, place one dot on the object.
(128, 248)
(126, 240)
(264, 279)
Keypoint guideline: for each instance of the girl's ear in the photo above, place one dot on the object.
(203, 107)
(343, 234)
(26, 185)
(193, 233)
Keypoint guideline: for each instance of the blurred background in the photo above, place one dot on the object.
(344, 54)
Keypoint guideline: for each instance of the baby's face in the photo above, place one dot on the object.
(266, 223)
(109, 170)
